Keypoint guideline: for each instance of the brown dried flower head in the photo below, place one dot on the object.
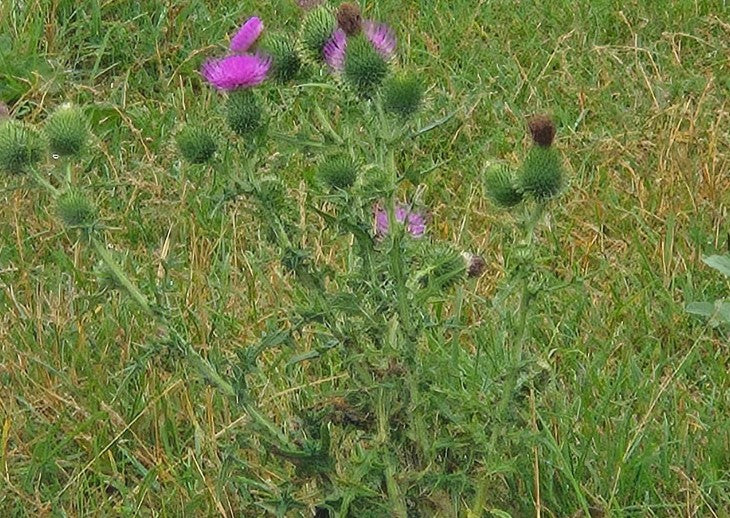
(349, 18)
(4, 111)
(542, 129)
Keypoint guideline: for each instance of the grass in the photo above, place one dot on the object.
(623, 405)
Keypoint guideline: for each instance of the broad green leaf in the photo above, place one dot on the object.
(719, 311)
(721, 263)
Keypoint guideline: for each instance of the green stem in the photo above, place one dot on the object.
(121, 277)
(44, 183)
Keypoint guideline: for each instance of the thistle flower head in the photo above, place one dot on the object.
(349, 18)
(381, 37)
(542, 173)
(247, 35)
(285, 61)
(244, 113)
(365, 69)
(317, 28)
(20, 146)
(542, 129)
(402, 95)
(414, 220)
(338, 173)
(500, 185)
(75, 210)
(334, 50)
(236, 72)
(67, 130)
(196, 144)
(475, 264)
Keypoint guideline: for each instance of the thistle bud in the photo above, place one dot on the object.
(500, 185)
(317, 28)
(20, 147)
(365, 69)
(542, 173)
(285, 62)
(339, 173)
(245, 114)
(445, 266)
(67, 130)
(475, 264)
(402, 96)
(75, 210)
(349, 18)
(196, 144)
(542, 129)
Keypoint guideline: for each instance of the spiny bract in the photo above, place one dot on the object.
(317, 28)
(338, 172)
(365, 69)
(245, 114)
(196, 144)
(20, 146)
(402, 95)
(542, 173)
(67, 130)
(285, 63)
(500, 185)
(75, 210)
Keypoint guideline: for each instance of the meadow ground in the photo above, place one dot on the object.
(625, 409)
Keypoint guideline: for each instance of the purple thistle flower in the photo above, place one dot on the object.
(247, 34)
(381, 36)
(334, 50)
(236, 72)
(415, 221)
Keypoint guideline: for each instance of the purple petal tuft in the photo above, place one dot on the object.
(414, 221)
(236, 72)
(381, 36)
(334, 50)
(247, 34)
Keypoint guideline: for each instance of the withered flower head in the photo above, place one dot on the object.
(542, 129)
(349, 18)
(4, 111)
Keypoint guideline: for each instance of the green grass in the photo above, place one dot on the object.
(624, 405)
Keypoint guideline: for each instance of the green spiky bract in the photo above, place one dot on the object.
(365, 69)
(75, 210)
(285, 61)
(317, 28)
(542, 173)
(20, 147)
(196, 144)
(67, 130)
(244, 114)
(500, 185)
(338, 173)
(402, 96)
(444, 265)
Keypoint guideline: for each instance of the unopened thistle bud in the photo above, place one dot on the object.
(349, 18)
(75, 210)
(245, 114)
(339, 173)
(402, 95)
(67, 130)
(365, 69)
(500, 185)
(446, 265)
(20, 146)
(317, 28)
(285, 62)
(196, 144)
(542, 129)
(542, 173)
